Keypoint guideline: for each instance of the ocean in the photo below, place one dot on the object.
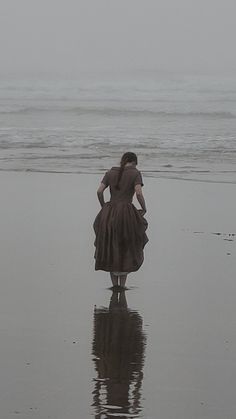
(180, 126)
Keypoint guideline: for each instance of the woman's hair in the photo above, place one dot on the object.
(126, 158)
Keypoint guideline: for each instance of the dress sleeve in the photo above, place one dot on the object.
(105, 179)
(138, 179)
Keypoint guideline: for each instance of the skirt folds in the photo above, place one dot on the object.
(120, 232)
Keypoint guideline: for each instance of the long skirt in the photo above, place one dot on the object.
(120, 231)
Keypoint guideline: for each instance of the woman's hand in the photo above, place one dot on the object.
(141, 200)
(142, 212)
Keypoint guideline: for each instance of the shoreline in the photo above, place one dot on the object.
(147, 174)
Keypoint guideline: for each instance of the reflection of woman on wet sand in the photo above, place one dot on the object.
(118, 349)
(119, 226)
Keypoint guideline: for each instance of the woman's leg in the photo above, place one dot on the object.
(123, 280)
(114, 279)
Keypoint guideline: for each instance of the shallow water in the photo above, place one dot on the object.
(180, 126)
(69, 348)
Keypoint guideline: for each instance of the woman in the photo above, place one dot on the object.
(119, 226)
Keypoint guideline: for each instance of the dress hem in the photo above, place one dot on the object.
(111, 269)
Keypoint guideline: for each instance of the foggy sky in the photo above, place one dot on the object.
(47, 36)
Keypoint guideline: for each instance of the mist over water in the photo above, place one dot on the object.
(180, 126)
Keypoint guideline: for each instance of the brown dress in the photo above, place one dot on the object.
(119, 226)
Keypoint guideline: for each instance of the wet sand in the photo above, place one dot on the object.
(69, 348)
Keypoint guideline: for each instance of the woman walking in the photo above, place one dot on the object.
(120, 227)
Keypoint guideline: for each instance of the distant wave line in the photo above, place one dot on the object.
(106, 111)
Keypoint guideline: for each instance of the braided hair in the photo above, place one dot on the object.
(126, 158)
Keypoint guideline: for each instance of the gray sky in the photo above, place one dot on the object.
(66, 36)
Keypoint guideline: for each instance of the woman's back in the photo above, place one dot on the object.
(126, 188)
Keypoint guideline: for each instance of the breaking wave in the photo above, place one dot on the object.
(109, 111)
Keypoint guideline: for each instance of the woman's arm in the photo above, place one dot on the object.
(140, 198)
(100, 195)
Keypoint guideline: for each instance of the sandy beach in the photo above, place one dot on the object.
(57, 315)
